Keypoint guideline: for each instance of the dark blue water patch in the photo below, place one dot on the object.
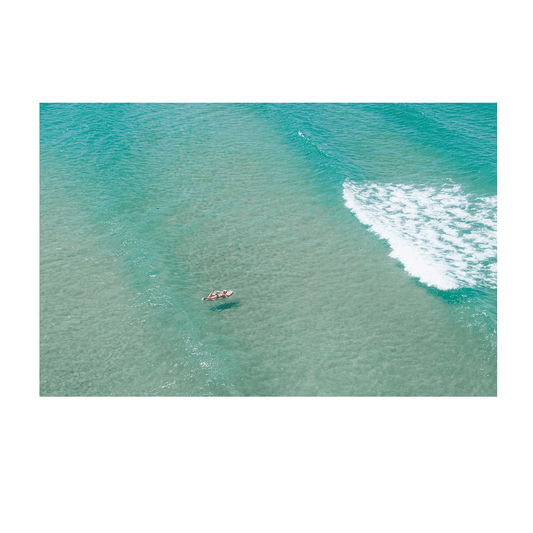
(462, 295)
(331, 151)
(464, 137)
(478, 305)
(225, 306)
(340, 139)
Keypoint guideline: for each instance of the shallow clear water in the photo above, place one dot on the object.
(360, 241)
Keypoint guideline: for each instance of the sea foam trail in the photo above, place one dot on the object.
(438, 234)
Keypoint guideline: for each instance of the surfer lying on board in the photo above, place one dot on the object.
(215, 295)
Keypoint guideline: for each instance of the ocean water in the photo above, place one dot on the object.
(360, 241)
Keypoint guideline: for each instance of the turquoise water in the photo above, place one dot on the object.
(360, 241)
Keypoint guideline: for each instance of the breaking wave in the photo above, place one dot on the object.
(440, 235)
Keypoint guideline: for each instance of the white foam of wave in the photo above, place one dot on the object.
(439, 235)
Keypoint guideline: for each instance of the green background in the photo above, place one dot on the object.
(261, 474)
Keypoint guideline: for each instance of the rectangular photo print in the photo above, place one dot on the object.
(268, 249)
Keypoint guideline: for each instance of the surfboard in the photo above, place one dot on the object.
(218, 297)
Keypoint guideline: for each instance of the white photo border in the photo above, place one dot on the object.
(29, 403)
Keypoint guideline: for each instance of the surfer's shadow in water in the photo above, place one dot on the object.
(221, 307)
